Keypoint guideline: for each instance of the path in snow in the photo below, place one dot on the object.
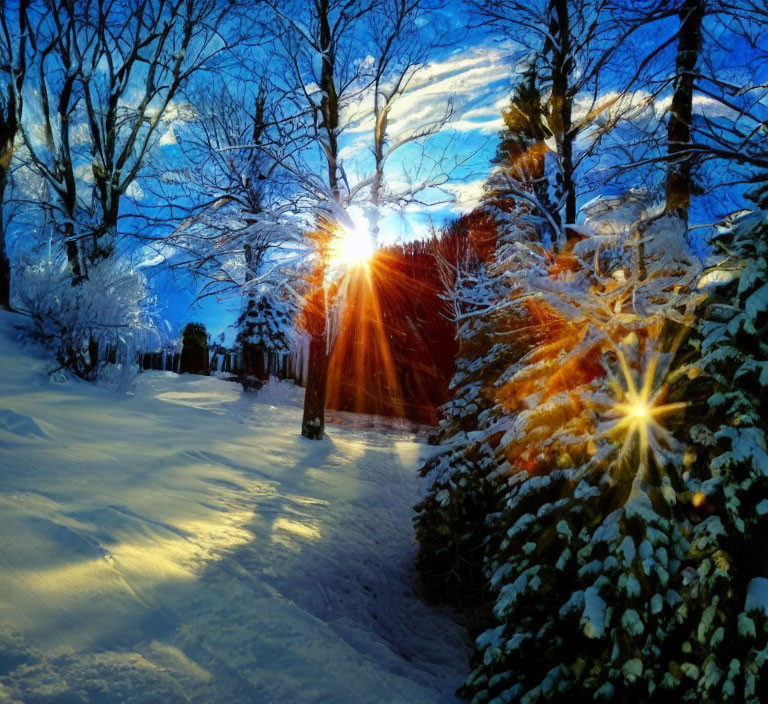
(186, 544)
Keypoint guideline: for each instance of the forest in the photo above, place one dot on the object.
(498, 268)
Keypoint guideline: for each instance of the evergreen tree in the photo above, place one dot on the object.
(450, 522)
(194, 350)
(724, 613)
(519, 162)
(264, 331)
(585, 578)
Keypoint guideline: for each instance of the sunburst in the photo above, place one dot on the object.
(639, 415)
(352, 245)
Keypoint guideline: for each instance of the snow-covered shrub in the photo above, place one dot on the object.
(109, 309)
(194, 350)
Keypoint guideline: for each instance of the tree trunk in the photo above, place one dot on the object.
(380, 132)
(8, 127)
(561, 107)
(9, 124)
(678, 190)
(313, 422)
(73, 254)
(5, 262)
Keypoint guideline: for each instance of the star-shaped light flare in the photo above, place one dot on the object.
(639, 414)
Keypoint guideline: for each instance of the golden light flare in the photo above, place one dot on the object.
(640, 412)
(352, 246)
(698, 499)
(363, 347)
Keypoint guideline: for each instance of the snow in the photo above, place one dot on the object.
(757, 595)
(187, 544)
(593, 616)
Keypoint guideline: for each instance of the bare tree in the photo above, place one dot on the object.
(237, 233)
(321, 42)
(108, 73)
(570, 45)
(402, 50)
(678, 188)
(48, 137)
(353, 61)
(13, 66)
(714, 78)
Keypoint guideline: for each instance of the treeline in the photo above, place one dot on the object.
(602, 476)
(396, 342)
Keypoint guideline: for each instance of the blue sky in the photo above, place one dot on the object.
(476, 79)
(476, 76)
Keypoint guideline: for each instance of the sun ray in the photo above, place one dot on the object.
(637, 415)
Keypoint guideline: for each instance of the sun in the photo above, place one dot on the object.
(352, 246)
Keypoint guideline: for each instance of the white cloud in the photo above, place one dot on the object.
(474, 81)
(134, 191)
(168, 138)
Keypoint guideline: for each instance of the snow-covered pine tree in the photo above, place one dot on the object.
(520, 154)
(493, 331)
(725, 645)
(450, 520)
(265, 329)
(586, 577)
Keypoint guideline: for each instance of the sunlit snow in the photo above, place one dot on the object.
(186, 544)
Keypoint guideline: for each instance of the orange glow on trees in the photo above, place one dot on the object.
(394, 347)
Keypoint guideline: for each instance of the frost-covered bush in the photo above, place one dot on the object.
(77, 323)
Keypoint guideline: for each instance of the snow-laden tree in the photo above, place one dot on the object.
(344, 64)
(112, 308)
(266, 331)
(450, 521)
(102, 80)
(236, 229)
(583, 578)
(725, 611)
(493, 328)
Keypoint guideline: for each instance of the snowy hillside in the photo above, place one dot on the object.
(187, 544)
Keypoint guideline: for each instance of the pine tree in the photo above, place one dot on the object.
(586, 576)
(450, 520)
(724, 612)
(519, 162)
(493, 331)
(194, 350)
(264, 330)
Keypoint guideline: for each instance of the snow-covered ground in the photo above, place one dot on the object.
(186, 544)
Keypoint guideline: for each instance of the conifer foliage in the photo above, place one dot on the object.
(265, 329)
(598, 499)
(726, 596)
